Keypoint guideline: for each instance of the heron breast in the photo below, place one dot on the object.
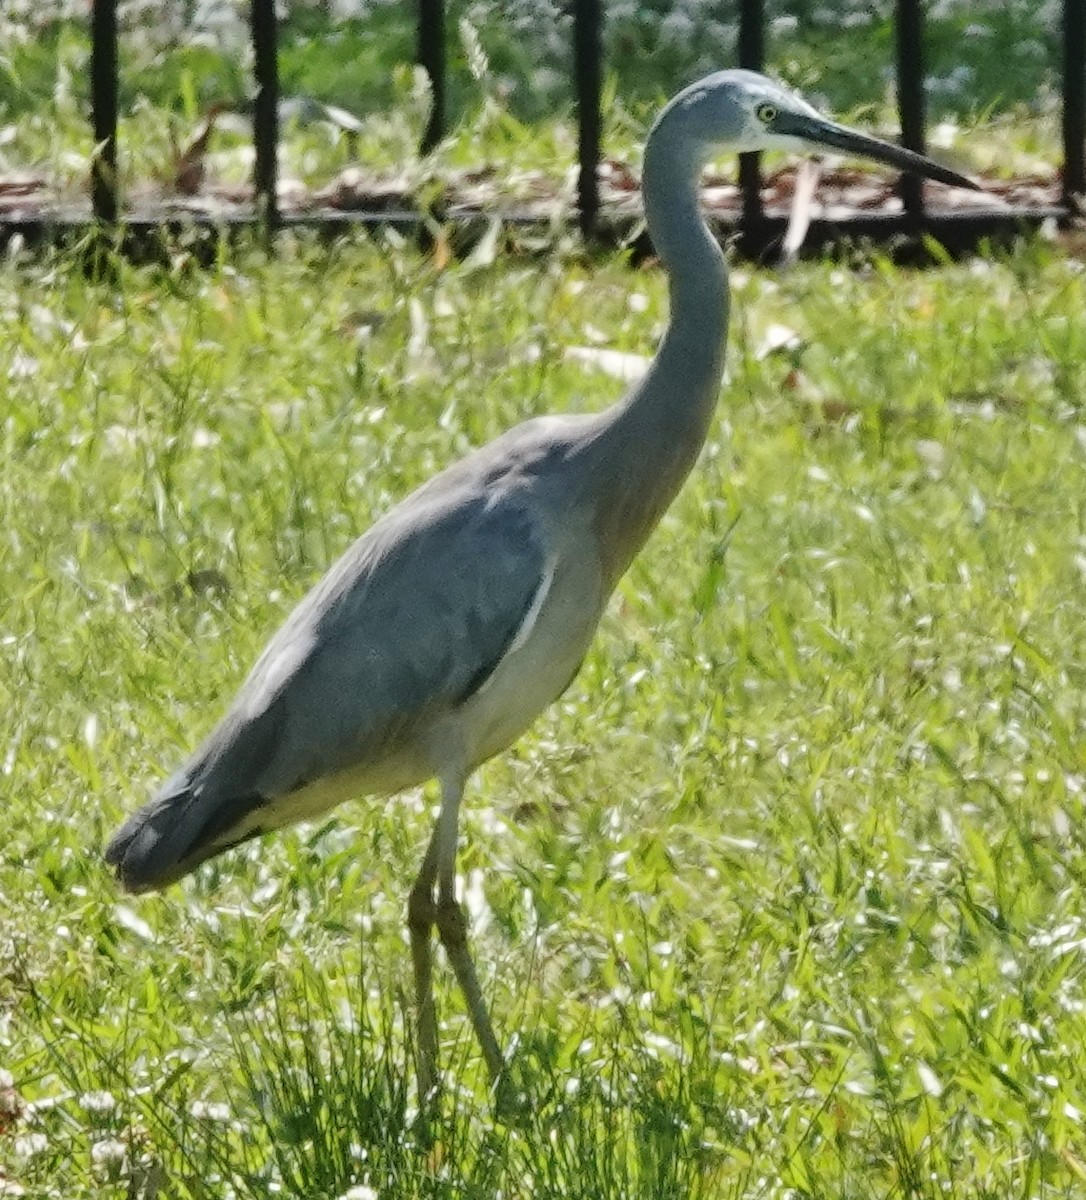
(542, 661)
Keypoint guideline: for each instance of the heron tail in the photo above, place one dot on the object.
(177, 831)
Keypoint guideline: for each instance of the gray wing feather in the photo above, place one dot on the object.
(407, 624)
(412, 620)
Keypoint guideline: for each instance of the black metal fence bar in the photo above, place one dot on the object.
(588, 83)
(266, 111)
(752, 57)
(910, 96)
(104, 85)
(759, 230)
(431, 56)
(1074, 99)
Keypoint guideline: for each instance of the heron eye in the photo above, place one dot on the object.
(766, 113)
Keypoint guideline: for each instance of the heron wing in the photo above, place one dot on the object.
(410, 622)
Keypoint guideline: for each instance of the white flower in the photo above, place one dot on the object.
(98, 1103)
(205, 1110)
(677, 27)
(108, 1153)
(359, 1192)
(29, 1144)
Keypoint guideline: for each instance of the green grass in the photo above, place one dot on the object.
(783, 898)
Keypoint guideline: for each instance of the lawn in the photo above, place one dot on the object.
(782, 899)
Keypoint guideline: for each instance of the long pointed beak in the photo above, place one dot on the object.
(820, 132)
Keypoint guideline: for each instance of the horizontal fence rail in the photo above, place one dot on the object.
(758, 232)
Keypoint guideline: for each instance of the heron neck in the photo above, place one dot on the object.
(697, 275)
(681, 388)
(656, 432)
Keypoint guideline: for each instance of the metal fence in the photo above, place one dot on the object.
(757, 230)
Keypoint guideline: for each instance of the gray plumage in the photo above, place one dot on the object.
(443, 631)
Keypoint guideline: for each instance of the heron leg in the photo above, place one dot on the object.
(421, 918)
(452, 926)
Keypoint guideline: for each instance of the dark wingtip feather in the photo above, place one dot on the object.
(172, 835)
(139, 852)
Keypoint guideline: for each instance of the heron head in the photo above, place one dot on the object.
(745, 111)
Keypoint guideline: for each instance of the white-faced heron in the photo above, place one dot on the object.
(442, 632)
